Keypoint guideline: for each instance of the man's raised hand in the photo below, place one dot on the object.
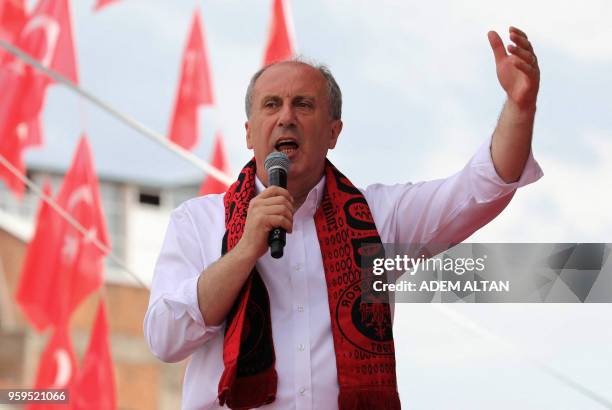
(517, 72)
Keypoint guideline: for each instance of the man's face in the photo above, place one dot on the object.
(290, 113)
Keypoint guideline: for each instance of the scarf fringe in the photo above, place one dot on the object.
(368, 399)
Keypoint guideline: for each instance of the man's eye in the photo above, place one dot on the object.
(270, 104)
(304, 104)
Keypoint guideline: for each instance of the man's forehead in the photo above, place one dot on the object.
(290, 78)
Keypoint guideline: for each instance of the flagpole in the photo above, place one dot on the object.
(68, 218)
(129, 121)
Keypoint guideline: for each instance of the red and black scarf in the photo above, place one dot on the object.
(362, 332)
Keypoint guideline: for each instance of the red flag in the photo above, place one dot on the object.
(94, 387)
(280, 44)
(102, 3)
(57, 367)
(46, 36)
(195, 88)
(12, 17)
(73, 264)
(81, 261)
(219, 160)
(61, 56)
(36, 278)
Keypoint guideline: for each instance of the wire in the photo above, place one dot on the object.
(484, 333)
(68, 218)
(132, 123)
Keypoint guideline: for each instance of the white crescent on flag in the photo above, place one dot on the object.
(52, 31)
(82, 193)
(64, 369)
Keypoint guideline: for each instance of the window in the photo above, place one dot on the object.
(148, 199)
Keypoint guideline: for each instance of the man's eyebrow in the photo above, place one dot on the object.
(297, 97)
(270, 98)
(304, 97)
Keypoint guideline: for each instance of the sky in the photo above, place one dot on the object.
(420, 96)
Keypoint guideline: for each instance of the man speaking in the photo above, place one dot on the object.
(289, 332)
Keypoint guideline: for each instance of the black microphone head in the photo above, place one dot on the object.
(277, 159)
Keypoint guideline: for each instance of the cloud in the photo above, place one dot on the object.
(580, 29)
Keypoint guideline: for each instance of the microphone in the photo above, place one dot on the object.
(277, 164)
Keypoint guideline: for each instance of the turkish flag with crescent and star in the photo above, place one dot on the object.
(280, 45)
(49, 291)
(46, 35)
(94, 387)
(57, 367)
(220, 161)
(195, 88)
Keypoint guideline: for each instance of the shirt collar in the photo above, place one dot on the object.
(313, 199)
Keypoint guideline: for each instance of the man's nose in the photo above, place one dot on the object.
(286, 116)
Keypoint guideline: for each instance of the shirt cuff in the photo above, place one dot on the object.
(487, 184)
(185, 301)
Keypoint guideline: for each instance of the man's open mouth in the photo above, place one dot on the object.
(287, 147)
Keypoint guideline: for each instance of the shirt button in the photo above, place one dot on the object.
(300, 308)
(301, 347)
(302, 390)
(298, 267)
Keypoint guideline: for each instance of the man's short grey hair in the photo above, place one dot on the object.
(333, 90)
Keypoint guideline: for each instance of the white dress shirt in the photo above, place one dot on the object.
(440, 211)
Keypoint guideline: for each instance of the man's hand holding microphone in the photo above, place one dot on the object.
(269, 216)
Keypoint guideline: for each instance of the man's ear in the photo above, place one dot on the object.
(249, 140)
(336, 127)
